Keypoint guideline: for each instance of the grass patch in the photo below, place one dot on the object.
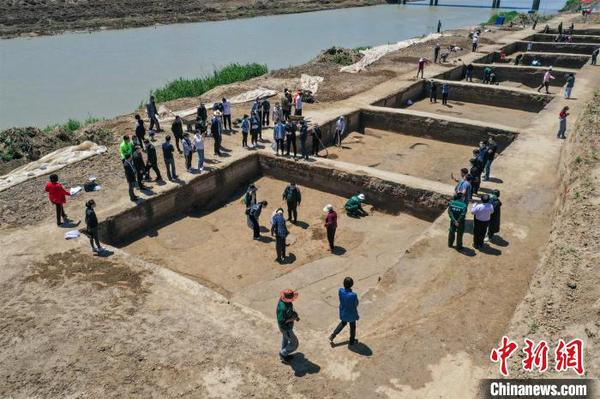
(508, 16)
(72, 125)
(181, 87)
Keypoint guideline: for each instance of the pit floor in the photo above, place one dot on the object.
(399, 153)
(217, 248)
(478, 112)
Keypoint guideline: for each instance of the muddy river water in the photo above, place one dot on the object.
(46, 80)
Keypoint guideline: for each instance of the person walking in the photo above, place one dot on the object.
(57, 196)
(199, 146)
(569, 85)
(340, 130)
(188, 150)
(562, 124)
(330, 225)
(492, 149)
(303, 136)
(354, 206)
(432, 91)
(130, 176)
(216, 130)
(151, 161)
(421, 67)
(177, 130)
(152, 112)
(140, 131)
(226, 114)
(266, 111)
(482, 214)
(292, 196)
(286, 317)
(546, 80)
(317, 135)
(245, 126)
(279, 136)
(140, 167)
(445, 92)
(457, 210)
(290, 138)
(298, 103)
(253, 215)
(348, 311)
(436, 53)
(91, 223)
(280, 231)
(494, 226)
(168, 150)
(125, 148)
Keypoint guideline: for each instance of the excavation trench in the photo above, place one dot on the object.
(559, 60)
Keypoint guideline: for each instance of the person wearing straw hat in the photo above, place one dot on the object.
(348, 311)
(286, 316)
(330, 225)
(354, 206)
(280, 231)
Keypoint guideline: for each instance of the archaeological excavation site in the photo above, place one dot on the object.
(182, 301)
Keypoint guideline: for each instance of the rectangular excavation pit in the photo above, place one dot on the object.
(588, 31)
(472, 101)
(546, 47)
(512, 75)
(209, 240)
(551, 37)
(559, 60)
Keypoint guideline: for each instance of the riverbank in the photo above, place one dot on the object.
(47, 17)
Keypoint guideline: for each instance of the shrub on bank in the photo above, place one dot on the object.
(72, 125)
(508, 17)
(180, 88)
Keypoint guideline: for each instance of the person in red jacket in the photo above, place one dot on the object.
(57, 195)
(330, 225)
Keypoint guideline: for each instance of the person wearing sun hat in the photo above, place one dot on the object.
(354, 205)
(286, 316)
(330, 225)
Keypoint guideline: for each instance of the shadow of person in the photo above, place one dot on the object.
(495, 180)
(263, 229)
(289, 259)
(337, 250)
(69, 224)
(161, 182)
(265, 239)
(105, 253)
(301, 224)
(467, 251)
(498, 240)
(148, 191)
(486, 249)
(360, 348)
(302, 366)
(224, 155)
(225, 149)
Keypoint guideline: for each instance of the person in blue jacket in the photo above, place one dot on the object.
(348, 311)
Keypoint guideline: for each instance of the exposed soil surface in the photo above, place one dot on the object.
(43, 17)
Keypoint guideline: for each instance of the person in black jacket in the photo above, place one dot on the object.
(140, 131)
(130, 176)
(202, 113)
(152, 161)
(177, 129)
(475, 172)
(316, 139)
(266, 110)
(290, 138)
(140, 166)
(91, 222)
(494, 226)
(292, 196)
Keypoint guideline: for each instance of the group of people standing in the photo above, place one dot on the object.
(486, 214)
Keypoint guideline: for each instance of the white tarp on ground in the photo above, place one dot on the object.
(375, 53)
(311, 83)
(51, 162)
(166, 115)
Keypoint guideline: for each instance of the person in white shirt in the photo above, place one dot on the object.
(546, 81)
(298, 103)
(482, 213)
(475, 41)
(340, 128)
(199, 146)
(226, 114)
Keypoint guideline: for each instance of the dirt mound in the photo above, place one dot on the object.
(339, 56)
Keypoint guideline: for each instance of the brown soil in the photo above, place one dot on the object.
(44, 17)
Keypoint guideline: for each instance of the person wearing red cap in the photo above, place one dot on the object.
(286, 316)
(57, 195)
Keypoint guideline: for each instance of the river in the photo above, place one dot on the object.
(49, 79)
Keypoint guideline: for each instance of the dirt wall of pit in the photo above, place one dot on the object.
(543, 37)
(205, 191)
(387, 195)
(547, 59)
(571, 48)
(434, 128)
(528, 76)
